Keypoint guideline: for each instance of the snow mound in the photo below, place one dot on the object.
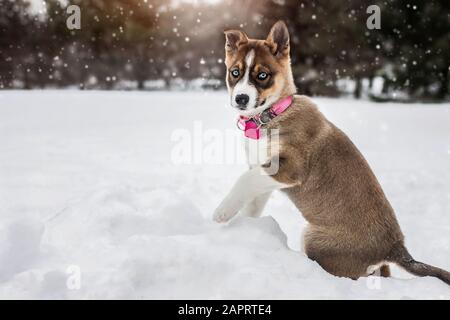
(21, 240)
(148, 243)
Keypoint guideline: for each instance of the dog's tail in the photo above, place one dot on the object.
(400, 256)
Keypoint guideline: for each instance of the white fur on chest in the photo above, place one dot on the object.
(259, 151)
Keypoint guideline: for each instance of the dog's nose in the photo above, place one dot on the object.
(242, 100)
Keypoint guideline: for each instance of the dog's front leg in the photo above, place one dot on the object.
(253, 183)
(255, 207)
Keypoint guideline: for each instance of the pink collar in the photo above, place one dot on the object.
(251, 126)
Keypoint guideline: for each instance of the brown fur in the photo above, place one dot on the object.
(352, 226)
(385, 271)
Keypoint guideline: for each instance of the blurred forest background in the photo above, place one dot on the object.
(179, 44)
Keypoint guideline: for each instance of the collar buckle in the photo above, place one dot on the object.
(266, 116)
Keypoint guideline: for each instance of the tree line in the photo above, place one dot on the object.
(144, 44)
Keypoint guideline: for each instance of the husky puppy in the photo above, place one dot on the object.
(352, 230)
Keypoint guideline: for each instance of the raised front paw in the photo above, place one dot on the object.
(223, 214)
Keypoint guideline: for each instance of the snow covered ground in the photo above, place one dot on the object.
(92, 205)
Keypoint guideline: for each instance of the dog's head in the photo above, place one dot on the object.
(258, 71)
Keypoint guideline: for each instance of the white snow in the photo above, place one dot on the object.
(88, 187)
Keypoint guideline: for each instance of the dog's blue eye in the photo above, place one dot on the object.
(262, 75)
(235, 73)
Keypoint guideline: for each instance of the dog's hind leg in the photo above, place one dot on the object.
(255, 208)
(326, 248)
(380, 270)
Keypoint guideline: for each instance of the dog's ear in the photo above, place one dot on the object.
(278, 39)
(233, 39)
